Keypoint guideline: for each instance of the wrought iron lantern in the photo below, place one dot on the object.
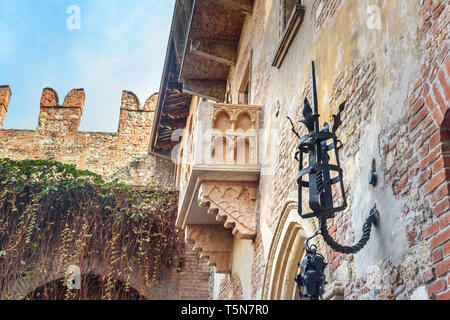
(318, 146)
(311, 280)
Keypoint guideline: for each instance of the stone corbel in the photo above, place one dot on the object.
(212, 242)
(233, 203)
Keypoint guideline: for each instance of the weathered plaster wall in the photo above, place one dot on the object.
(371, 53)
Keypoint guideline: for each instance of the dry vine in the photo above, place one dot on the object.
(53, 216)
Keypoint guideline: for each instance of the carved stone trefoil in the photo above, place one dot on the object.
(233, 203)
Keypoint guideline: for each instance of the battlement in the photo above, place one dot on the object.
(66, 118)
(131, 102)
(123, 154)
(5, 96)
(61, 118)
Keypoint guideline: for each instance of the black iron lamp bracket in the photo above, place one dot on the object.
(323, 181)
(372, 220)
(311, 280)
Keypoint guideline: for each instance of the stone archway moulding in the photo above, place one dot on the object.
(284, 250)
(89, 267)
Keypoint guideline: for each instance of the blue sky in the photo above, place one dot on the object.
(120, 45)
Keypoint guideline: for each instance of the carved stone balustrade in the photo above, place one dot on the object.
(220, 175)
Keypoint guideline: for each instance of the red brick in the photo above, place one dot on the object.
(412, 99)
(424, 28)
(417, 119)
(436, 287)
(445, 137)
(438, 98)
(426, 89)
(437, 255)
(444, 221)
(424, 177)
(417, 106)
(431, 230)
(424, 150)
(435, 182)
(437, 115)
(430, 131)
(446, 249)
(442, 267)
(401, 185)
(434, 154)
(444, 85)
(441, 192)
(444, 296)
(428, 275)
(438, 11)
(425, 7)
(413, 172)
(426, 72)
(438, 165)
(442, 207)
(440, 238)
(446, 157)
(412, 162)
(429, 102)
(427, 121)
(435, 139)
(447, 65)
(332, 229)
(412, 234)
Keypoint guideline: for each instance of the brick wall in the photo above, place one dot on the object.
(415, 152)
(190, 281)
(258, 267)
(123, 155)
(356, 85)
(231, 288)
(425, 162)
(323, 10)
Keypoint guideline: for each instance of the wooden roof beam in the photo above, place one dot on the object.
(220, 51)
(176, 115)
(243, 6)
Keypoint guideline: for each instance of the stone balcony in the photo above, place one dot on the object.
(219, 180)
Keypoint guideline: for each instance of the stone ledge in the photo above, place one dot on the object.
(212, 242)
(233, 203)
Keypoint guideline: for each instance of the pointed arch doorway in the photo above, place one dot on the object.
(285, 253)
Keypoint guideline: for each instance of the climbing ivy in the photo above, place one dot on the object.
(53, 215)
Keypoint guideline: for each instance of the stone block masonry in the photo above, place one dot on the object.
(122, 155)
